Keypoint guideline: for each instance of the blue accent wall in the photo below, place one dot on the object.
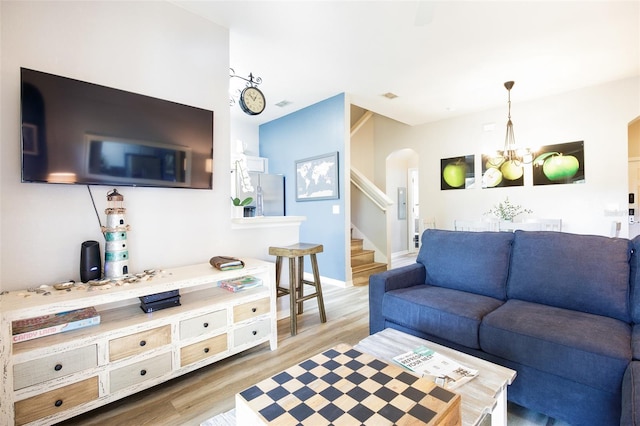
(316, 130)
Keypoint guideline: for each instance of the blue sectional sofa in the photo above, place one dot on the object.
(558, 308)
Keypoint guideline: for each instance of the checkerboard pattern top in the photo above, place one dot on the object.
(343, 386)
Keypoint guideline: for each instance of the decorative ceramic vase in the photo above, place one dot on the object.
(238, 211)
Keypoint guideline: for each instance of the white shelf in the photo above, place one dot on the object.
(266, 222)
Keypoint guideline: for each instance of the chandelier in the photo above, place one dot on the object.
(511, 151)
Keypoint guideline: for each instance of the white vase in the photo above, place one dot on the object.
(237, 211)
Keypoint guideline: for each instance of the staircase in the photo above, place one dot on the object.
(362, 263)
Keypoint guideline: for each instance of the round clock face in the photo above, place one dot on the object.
(252, 101)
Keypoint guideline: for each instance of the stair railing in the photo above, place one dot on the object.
(370, 190)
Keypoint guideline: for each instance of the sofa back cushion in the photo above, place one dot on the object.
(587, 273)
(477, 262)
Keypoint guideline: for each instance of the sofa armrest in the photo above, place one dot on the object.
(379, 284)
(631, 395)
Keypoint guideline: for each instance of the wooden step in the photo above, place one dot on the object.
(360, 274)
(356, 244)
(362, 257)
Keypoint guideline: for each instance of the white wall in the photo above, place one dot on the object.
(598, 115)
(152, 48)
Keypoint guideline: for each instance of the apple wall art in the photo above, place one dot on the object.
(457, 172)
(559, 164)
(498, 172)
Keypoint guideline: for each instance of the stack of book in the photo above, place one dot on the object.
(157, 301)
(46, 325)
(241, 283)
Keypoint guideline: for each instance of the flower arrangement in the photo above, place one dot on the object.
(507, 211)
(245, 184)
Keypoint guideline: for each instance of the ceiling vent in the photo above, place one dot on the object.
(390, 95)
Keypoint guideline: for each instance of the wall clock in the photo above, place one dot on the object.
(252, 100)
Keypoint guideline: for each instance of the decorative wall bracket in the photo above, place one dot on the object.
(250, 82)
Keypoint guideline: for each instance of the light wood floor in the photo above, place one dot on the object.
(197, 396)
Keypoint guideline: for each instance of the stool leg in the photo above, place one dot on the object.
(278, 274)
(292, 295)
(316, 278)
(300, 283)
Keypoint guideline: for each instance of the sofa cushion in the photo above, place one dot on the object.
(477, 262)
(635, 342)
(587, 273)
(631, 396)
(590, 349)
(442, 312)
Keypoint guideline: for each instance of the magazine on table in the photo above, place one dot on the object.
(442, 370)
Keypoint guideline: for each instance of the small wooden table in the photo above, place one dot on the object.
(483, 395)
(343, 386)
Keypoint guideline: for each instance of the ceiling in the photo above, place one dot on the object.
(442, 59)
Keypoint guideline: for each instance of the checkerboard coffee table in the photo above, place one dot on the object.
(482, 396)
(344, 386)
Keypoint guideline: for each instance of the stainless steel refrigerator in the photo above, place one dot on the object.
(272, 193)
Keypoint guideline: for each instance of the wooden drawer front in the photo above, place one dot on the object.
(201, 350)
(56, 401)
(54, 366)
(140, 342)
(252, 332)
(203, 324)
(250, 310)
(140, 371)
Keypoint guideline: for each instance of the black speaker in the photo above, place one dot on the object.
(90, 263)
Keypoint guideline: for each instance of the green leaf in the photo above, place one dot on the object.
(246, 201)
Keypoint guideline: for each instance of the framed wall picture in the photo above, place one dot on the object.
(457, 172)
(498, 172)
(317, 178)
(559, 163)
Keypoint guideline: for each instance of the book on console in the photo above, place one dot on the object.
(46, 325)
(442, 370)
(241, 283)
(225, 263)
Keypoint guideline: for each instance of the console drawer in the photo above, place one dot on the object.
(53, 366)
(201, 350)
(203, 324)
(140, 371)
(137, 343)
(252, 332)
(251, 309)
(55, 401)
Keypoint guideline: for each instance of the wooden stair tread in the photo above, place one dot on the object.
(362, 263)
(368, 266)
(353, 252)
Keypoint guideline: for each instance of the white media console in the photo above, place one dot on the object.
(52, 378)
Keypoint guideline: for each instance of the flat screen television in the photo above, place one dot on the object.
(84, 133)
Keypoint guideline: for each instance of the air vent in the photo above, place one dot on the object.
(390, 95)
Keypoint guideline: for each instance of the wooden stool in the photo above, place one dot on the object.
(296, 278)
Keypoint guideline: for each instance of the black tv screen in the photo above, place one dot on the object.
(84, 133)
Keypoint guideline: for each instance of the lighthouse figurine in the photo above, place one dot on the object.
(116, 253)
